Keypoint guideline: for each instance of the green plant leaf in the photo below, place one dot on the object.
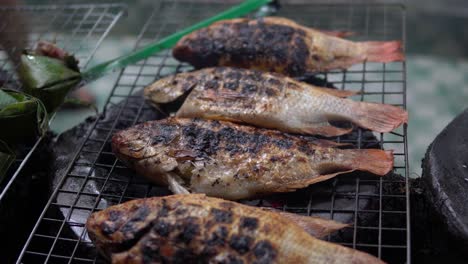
(6, 99)
(48, 79)
(23, 118)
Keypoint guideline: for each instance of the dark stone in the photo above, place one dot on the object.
(445, 175)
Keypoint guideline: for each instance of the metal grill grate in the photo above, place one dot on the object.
(376, 208)
(79, 29)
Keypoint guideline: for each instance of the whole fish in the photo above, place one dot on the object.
(199, 229)
(278, 45)
(232, 161)
(272, 101)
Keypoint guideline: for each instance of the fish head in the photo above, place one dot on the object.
(146, 148)
(170, 88)
(131, 144)
(119, 227)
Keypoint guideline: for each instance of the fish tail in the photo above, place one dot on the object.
(338, 33)
(376, 161)
(378, 117)
(383, 51)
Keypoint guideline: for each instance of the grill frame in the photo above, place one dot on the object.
(96, 22)
(137, 76)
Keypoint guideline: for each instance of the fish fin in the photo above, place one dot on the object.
(329, 144)
(326, 130)
(336, 92)
(383, 51)
(174, 185)
(337, 33)
(315, 226)
(376, 161)
(299, 184)
(343, 62)
(378, 117)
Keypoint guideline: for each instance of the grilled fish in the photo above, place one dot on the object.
(278, 45)
(199, 229)
(272, 101)
(232, 161)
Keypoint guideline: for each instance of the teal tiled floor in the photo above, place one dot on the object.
(437, 92)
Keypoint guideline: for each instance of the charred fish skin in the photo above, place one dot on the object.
(278, 45)
(197, 229)
(231, 161)
(271, 101)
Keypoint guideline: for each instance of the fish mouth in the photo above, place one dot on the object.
(124, 150)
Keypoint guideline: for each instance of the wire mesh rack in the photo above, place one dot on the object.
(377, 209)
(79, 29)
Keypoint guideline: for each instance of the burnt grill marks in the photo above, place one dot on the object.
(162, 228)
(231, 85)
(183, 256)
(190, 228)
(305, 148)
(218, 237)
(114, 215)
(249, 88)
(264, 252)
(249, 223)
(198, 49)
(203, 141)
(234, 260)
(164, 209)
(150, 252)
(212, 84)
(298, 56)
(132, 238)
(205, 138)
(221, 216)
(241, 243)
(165, 134)
(138, 217)
(240, 141)
(247, 43)
(108, 228)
